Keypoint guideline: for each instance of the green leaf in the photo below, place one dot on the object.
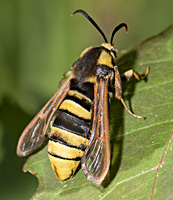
(141, 163)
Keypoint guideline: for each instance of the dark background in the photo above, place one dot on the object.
(39, 41)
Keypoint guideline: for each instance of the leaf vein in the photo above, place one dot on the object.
(128, 179)
(145, 127)
(155, 61)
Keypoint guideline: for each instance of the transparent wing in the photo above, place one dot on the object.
(34, 134)
(96, 159)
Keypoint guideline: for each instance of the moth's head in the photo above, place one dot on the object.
(112, 49)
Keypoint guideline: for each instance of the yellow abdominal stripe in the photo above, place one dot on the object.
(79, 95)
(63, 169)
(69, 138)
(64, 151)
(63, 160)
(75, 109)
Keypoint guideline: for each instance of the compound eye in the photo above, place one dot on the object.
(113, 53)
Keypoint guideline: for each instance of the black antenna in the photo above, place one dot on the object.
(92, 21)
(116, 29)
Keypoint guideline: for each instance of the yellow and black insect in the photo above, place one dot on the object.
(78, 114)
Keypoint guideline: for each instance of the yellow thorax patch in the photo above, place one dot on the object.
(105, 59)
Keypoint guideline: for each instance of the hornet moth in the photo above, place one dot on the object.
(78, 114)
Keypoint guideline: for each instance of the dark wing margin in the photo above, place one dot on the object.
(35, 133)
(96, 159)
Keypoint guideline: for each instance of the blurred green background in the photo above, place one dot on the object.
(39, 41)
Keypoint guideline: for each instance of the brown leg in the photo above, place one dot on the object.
(125, 106)
(128, 74)
(118, 88)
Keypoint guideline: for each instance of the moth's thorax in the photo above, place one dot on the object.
(85, 51)
(95, 62)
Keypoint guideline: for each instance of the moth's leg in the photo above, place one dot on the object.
(128, 75)
(118, 92)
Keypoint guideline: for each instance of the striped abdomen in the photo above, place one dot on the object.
(70, 134)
